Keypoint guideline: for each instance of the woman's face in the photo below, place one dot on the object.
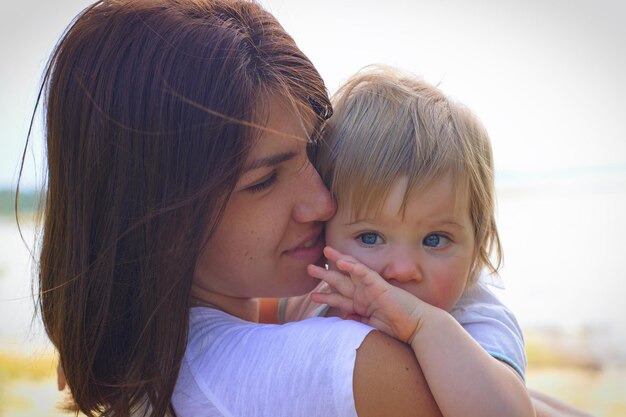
(272, 227)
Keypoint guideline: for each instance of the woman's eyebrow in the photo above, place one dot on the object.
(270, 160)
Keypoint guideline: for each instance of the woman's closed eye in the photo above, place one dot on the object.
(435, 241)
(370, 239)
(263, 184)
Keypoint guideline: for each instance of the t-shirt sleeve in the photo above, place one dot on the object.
(492, 325)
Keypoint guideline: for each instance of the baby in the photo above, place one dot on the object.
(410, 248)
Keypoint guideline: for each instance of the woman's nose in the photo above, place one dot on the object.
(403, 266)
(315, 202)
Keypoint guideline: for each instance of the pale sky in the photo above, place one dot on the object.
(546, 77)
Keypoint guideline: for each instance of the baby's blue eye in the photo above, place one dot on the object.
(435, 241)
(370, 238)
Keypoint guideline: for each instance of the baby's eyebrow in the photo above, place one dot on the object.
(449, 223)
(433, 225)
(357, 221)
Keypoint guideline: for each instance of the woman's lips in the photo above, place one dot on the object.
(310, 250)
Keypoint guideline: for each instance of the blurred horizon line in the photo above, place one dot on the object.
(503, 177)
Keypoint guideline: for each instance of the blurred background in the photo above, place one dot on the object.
(547, 80)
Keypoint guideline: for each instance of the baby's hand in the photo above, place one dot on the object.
(365, 293)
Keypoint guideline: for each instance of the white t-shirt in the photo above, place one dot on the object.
(236, 368)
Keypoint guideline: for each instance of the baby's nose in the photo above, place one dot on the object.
(403, 268)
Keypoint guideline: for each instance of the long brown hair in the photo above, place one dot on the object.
(151, 107)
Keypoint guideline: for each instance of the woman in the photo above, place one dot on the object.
(178, 181)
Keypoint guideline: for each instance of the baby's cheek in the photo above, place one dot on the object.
(446, 293)
(367, 257)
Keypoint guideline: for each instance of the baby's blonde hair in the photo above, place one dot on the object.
(388, 124)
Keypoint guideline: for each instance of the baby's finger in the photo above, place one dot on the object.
(334, 255)
(360, 273)
(339, 282)
(334, 300)
(346, 266)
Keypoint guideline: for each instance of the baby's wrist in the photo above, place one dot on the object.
(417, 320)
(427, 320)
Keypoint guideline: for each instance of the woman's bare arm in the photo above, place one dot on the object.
(388, 380)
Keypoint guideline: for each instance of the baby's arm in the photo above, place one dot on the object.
(464, 379)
